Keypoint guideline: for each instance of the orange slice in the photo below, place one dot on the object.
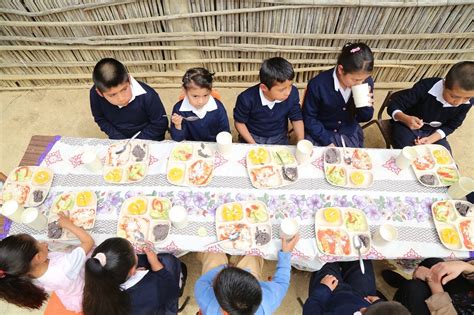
(450, 236)
(176, 174)
(137, 207)
(115, 175)
(357, 178)
(41, 177)
(84, 198)
(332, 215)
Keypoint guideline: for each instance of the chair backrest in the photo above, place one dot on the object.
(386, 102)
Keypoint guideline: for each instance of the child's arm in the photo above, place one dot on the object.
(241, 116)
(298, 127)
(100, 119)
(244, 132)
(295, 115)
(177, 129)
(312, 124)
(223, 119)
(87, 242)
(158, 122)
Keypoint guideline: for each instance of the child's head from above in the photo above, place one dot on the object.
(459, 83)
(19, 255)
(197, 85)
(237, 291)
(386, 308)
(276, 76)
(110, 265)
(112, 81)
(354, 64)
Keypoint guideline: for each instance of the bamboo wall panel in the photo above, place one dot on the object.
(57, 42)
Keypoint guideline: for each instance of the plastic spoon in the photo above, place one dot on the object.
(434, 124)
(347, 158)
(126, 143)
(357, 245)
(190, 118)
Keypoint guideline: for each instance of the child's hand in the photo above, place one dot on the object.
(152, 258)
(371, 298)
(421, 273)
(64, 221)
(413, 122)
(177, 120)
(287, 246)
(330, 281)
(371, 99)
(434, 137)
(448, 270)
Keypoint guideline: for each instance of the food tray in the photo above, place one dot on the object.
(80, 207)
(191, 164)
(250, 218)
(454, 221)
(265, 167)
(335, 228)
(148, 215)
(28, 185)
(129, 166)
(356, 174)
(435, 167)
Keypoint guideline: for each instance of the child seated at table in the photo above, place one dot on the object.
(432, 100)
(342, 288)
(239, 290)
(119, 282)
(329, 111)
(198, 101)
(28, 270)
(122, 106)
(261, 112)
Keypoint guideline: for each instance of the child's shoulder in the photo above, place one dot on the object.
(426, 83)
(323, 78)
(250, 92)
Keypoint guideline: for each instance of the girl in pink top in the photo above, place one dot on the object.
(28, 270)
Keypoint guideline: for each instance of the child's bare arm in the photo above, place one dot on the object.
(244, 132)
(411, 122)
(298, 127)
(153, 260)
(87, 242)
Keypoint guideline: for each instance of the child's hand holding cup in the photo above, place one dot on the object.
(361, 94)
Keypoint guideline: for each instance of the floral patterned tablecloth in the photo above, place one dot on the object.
(395, 197)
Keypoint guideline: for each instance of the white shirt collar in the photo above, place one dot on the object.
(139, 274)
(346, 93)
(137, 90)
(437, 91)
(209, 107)
(265, 101)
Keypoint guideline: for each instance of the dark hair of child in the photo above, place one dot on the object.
(102, 292)
(16, 287)
(387, 308)
(237, 291)
(198, 77)
(276, 69)
(356, 58)
(461, 75)
(109, 73)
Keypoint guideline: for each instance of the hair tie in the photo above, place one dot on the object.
(2, 274)
(354, 50)
(101, 258)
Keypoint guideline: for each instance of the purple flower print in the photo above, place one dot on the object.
(359, 202)
(372, 212)
(409, 213)
(293, 212)
(298, 201)
(131, 193)
(241, 197)
(272, 203)
(411, 202)
(425, 205)
(341, 201)
(199, 199)
(314, 202)
(422, 216)
(184, 198)
(305, 214)
(111, 201)
(391, 204)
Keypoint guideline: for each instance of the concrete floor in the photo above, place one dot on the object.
(67, 113)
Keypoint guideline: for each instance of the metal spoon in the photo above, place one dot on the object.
(347, 157)
(434, 124)
(358, 245)
(190, 118)
(232, 237)
(139, 237)
(126, 143)
(287, 174)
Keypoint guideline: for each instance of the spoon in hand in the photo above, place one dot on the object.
(190, 118)
(434, 124)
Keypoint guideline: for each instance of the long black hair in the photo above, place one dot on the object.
(356, 57)
(16, 287)
(199, 77)
(102, 292)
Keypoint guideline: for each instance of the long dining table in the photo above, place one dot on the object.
(396, 197)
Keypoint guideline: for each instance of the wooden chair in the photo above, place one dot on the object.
(384, 125)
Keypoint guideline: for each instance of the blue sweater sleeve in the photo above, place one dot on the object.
(294, 103)
(176, 134)
(453, 123)
(314, 305)
(363, 114)
(409, 98)
(156, 128)
(241, 109)
(313, 126)
(278, 287)
(203, 290)
(223, 124)
(168, 288)
(99, 117)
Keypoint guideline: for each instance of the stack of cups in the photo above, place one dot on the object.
(178, 217)
(406, 157)
(91, 161)
(289, 228)
(360, 93)
(34, 218)
(463, 187)
(12, 210)
(304, 148)
(224, 143)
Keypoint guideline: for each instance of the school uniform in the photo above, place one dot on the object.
(425, 100)
(329, 112)
(213, 119)
(144, 112)
(267, 121)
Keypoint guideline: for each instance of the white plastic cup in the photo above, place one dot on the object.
(360, 93)
(224, 143)
(34, 218)
(303, 151)
(12, 210)
(385, 234)
(91, 161)
(178, 217)
(406, 157)
(289, 228)
(461, 188)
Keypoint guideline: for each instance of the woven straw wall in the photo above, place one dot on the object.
(55, 43)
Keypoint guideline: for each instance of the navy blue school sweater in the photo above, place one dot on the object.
(156, 293)
(144, 113)
(325, 112)
(339, 302)
(205, 129)
(418, 102)
(263, 121)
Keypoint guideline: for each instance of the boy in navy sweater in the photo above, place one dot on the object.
(261, 112)
(122, 106)
(446, 101)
